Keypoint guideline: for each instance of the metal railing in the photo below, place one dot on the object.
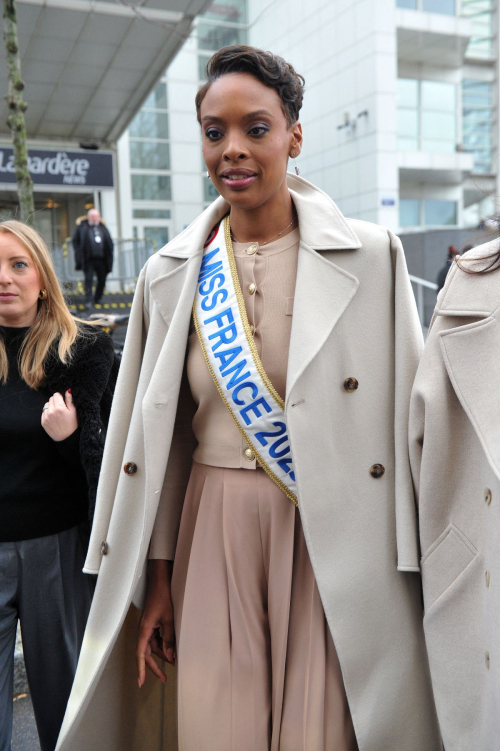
(418, 288)
(129, 258)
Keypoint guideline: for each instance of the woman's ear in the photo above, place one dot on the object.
(297, 138)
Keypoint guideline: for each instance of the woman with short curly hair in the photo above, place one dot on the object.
(261, 436)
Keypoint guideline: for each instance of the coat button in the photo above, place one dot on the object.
(104, 548)
(350, 384)
(249, 455)
(487, 496)
(487, 660)
(488, 579)
(252, 249)
(377, 470)
(130, 468)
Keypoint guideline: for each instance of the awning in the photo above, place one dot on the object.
(88, 65)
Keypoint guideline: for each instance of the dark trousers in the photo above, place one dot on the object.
(42, 586)
(95, 266)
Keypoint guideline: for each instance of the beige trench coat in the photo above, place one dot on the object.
(354, 317)
(455, 456)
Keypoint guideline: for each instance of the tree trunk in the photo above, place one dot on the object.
(17, 108)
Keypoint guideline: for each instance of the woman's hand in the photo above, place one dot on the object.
(156, 627)
(59, 418)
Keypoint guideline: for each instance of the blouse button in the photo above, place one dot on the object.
(252, 249)
(251, 288)
(249, 455)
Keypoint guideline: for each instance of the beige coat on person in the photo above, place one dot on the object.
(455, 456)
(354, 317)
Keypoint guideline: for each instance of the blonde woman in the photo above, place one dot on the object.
(56, 377)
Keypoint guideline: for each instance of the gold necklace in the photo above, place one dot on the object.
(267, 241)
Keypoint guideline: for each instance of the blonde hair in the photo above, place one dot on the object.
(53, 323)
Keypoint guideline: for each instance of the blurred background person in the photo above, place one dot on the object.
(93, 249)
(56, 380)
(443, 272)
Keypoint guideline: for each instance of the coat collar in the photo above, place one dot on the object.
(322, 225)
(471, 358)
(471, 295)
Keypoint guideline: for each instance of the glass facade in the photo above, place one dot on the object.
(477, 122)
(445, 7)
(480, 13)
(414, 212)
(427, 115)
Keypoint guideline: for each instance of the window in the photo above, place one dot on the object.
(427, 115)
(445, 7)
(149, 155)
(233, 11)
(209, 191)
(412, 4)
(477, 112)
(480, 13)
(147, 124)
(213, 37)
(158, 98)
(202, 64)
(157, 235)
(151, 188)
(151, 213)
(438, 213)
(430, 213)
(409, 212)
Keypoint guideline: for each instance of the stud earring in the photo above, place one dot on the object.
(208, 174)
(297, 171)
(43, 294)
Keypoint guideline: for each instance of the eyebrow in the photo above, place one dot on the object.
(19, 258)
(246, 117)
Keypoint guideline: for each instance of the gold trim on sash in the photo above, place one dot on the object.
(256, 358)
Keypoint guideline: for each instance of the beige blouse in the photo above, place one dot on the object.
(267, 277)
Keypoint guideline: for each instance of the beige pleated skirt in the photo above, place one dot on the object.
(257, 669)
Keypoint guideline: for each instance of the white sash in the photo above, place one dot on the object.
(226, 339)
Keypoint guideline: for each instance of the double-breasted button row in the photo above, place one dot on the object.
(130, 468)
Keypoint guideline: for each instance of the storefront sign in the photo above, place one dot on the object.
(90, 169)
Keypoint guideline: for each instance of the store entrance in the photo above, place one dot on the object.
(55, 213)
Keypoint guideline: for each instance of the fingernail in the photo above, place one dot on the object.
(70, 391)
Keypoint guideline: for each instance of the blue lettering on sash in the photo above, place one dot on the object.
(227, 356)
(236, 378)
(254, 407)
(207, 269)
(246, 385)
(273, 451)
(207, 287)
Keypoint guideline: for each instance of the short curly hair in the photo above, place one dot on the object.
(268, 68)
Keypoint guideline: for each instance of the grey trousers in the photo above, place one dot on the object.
(42, 585)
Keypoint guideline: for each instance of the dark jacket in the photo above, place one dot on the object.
(82, 246)
(91, 375)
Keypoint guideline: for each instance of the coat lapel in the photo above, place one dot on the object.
(478, 390)
(322, 293)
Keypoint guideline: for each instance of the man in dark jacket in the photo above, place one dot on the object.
(93, 248)
(443, 272)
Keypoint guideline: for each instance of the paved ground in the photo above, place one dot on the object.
(24, 737)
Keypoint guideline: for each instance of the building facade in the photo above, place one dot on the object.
(400, 116)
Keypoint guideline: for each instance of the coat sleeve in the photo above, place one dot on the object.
(121, 414)
(408, 345)
(166, 526)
